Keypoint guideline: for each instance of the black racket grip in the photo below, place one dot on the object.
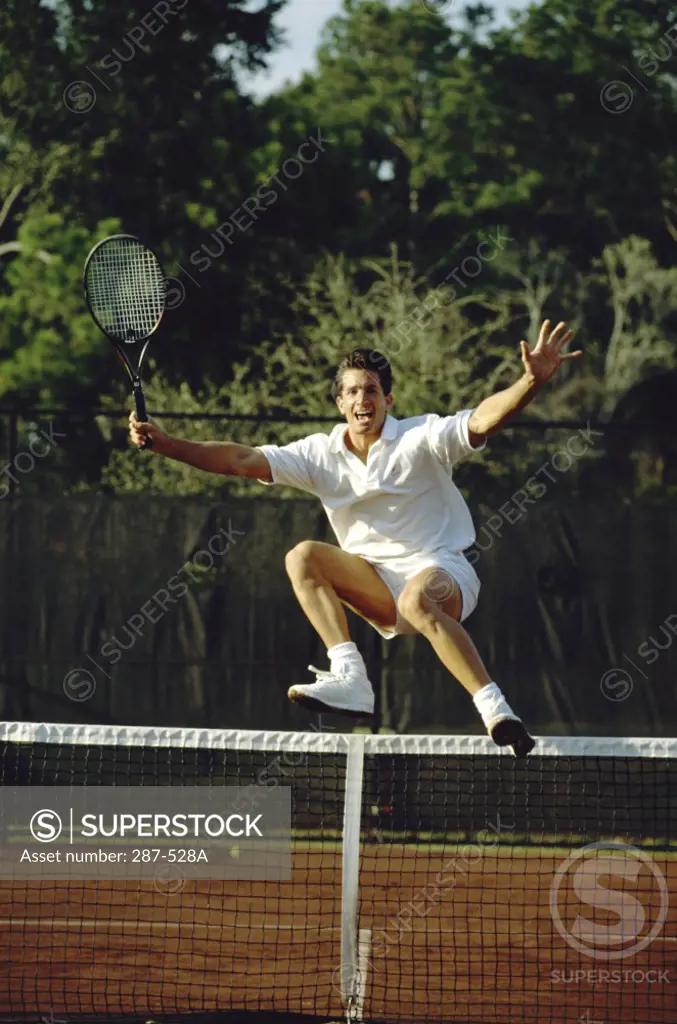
(141, 414)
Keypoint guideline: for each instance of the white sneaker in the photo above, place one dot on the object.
(349, 694)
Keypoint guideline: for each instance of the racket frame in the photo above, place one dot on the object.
(133, 372)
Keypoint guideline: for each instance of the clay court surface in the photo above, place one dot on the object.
(485, 952)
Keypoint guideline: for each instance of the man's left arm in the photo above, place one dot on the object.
(539, 366)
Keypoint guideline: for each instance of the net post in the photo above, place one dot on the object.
(352, 821)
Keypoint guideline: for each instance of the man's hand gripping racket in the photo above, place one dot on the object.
(125, 289)
(146, 433)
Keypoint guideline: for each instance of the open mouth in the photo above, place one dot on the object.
(364, 417)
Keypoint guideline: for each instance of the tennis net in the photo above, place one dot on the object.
(433, 879)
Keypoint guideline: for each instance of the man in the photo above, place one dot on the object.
(400, 522)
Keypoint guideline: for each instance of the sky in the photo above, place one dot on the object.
(302, 22)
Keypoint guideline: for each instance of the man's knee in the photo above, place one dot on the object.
(422, 599)
(299, 559)
(411, 604)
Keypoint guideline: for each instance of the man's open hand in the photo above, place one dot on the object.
(548, 354)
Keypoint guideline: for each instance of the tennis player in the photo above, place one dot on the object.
(401, 525)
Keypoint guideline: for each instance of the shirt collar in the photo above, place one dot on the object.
(389, 433)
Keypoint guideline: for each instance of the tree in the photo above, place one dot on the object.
(524, 135)
(643, 298)
(52, 353)
(138, 119)
(376, 89)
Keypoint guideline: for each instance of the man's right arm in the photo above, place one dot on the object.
(223, 457)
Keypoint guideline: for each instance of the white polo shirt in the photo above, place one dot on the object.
(402, 502)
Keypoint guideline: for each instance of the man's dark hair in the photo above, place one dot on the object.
(364, 359)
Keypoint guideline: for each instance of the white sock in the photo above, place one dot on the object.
(345, 655)
(490, 701)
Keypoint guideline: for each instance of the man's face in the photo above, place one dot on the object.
(362, 402)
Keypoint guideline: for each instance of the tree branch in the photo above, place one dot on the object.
(41, 254)
(9, 203)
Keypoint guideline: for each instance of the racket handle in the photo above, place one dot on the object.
(141, 414)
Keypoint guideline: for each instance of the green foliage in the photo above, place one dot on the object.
(436, 131)
(449, 364)
(643, 298)
(49, 344)
(156, 136)
(462, 351)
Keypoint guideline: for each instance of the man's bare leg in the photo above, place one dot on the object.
(324, 579)
(432, 604)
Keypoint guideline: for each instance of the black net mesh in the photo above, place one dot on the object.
(490, 891)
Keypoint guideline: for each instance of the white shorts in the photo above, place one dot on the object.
(397, 571)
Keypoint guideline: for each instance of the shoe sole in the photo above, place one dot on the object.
(313, 704)
(511, 732)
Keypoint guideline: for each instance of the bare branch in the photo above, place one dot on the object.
(9, 203)
(672, 228)
(40, 254)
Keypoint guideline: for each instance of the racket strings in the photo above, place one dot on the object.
(126, 288)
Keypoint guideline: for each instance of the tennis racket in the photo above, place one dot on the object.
(125, 289)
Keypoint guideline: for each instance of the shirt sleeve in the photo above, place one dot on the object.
(449, 438)
(292, 464)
